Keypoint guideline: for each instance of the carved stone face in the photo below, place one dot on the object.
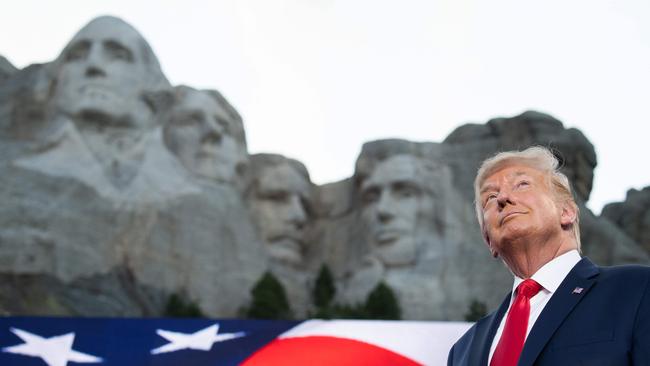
(280, 208)
(200, 134)
(394, 206)
(101, 75)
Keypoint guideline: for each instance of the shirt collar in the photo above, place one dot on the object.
(551, 275)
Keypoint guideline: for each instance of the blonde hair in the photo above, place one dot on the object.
(538, 158)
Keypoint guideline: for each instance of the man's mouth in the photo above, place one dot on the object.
(508, 217)
(95, 89)
(288, 241)
(385, 237)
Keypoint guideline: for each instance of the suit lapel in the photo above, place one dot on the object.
(485, 333)
(559, 306)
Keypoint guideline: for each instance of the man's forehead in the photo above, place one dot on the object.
(395, 169)
(109, 29)
(283, 178)
(508, 172)
(199, 100)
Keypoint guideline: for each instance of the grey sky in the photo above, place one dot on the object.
(316, 79)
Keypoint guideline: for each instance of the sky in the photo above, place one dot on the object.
(315, 79)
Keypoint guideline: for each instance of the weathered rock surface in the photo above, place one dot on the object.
(93, 197)
(472, 143)
(111, 294)
(6, 69)
(632, 215)
(407, 224)
(119, 190)
(575, 152)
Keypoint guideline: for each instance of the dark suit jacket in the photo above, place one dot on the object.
(608, 323)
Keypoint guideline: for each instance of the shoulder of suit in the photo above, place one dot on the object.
(627, 269)
(628, 272)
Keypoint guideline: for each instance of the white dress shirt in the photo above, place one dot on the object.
(550, 276)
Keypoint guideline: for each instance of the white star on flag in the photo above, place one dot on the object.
(55, 351)
(201, 340)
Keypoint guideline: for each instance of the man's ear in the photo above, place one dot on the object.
(568, 215)
(159, 101)
(486, 238)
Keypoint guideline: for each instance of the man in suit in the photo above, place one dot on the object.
(563, 309)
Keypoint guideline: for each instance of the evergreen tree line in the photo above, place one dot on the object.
(269, 301)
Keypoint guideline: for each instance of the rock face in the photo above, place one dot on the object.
(406, 224)
(93, 196)
(632, 216)
(572, 148)
(6, 69)
(120, 190)
(473, 143)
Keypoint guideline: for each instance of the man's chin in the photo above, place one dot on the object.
(400, 252)
(95, 109)
(511, 234)
(286, 251)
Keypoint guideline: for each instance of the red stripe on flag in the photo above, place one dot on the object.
(325, 351)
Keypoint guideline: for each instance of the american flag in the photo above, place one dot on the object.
(48, 341)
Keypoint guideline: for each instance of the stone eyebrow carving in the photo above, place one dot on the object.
(78, 51)
(118, 51)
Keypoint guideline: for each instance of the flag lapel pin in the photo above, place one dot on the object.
(577, 290)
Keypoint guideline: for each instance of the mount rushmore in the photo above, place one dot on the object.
(119, 189)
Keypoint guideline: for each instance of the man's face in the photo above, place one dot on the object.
(280, 206)
(394, 203)
(200, 134)
(518, 203)
(101, 73)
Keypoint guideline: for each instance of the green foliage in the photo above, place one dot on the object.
(176, 307)
(477, 310)
(324, 289)
(269, 299)
(382, 303)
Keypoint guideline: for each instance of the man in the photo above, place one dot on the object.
(401, 193)
(563, 309)
(280, 196)
(207, 135)
(396, 206)
(102, 84)
(103, 117)
(102, 73)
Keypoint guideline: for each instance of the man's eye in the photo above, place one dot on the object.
(523, 183)
(78, 52)
(490, 197)
(276, 196)
(225, 125)
(370, 196)
(188, 118)
(406, 190)
(118, 52)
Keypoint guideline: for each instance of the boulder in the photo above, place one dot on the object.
(632, 216)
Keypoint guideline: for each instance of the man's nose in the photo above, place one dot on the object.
(94, 63)
(210, 137)
(296, 214)
(211, 131)
(385, 207)
(504, 198)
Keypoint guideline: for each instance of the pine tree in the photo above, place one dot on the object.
(382, 303)
(477, 310)
(324, 289)
(176, 307)
(269, 299)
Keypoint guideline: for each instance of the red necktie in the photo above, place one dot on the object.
(514, 333)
